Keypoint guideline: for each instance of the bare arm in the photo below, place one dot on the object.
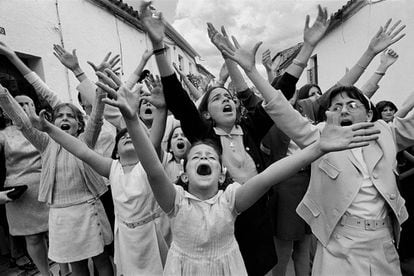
(156, 98)
(132, 80)
(382, 40)
(311, 36)
(100, 164)
(161, 186)
(388, 58)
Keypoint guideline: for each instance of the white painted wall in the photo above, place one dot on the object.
(32, 28)
(343, 47)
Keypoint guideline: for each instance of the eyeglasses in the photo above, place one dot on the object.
(351, 107)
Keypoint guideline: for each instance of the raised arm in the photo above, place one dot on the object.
(311, 36)
(382, 40)
(406, 107)
(195, 93)
(41, 88)
(388, 58)
(100, 164)
(156, 98)
(161, 186)
(177, 99)
(95, 122)
(333, 138)
(19, 117)
(133, 79)
(267, 63)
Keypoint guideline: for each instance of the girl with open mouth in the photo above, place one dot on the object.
(203, 217)
(78, 226)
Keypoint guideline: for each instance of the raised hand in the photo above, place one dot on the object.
(118, 95)
(388, 58)
(246, 59)
(107, 63)
(69, 60)
(153, 22)
(156, 96)
(38, 122)
(219, 39)
(267, 60)
(312, 35)
(386, 37)
(336, 138)
(6, 50)
(223, 75)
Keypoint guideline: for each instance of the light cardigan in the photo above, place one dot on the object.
(49, 149)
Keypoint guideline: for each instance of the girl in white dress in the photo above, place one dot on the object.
(202, 218)
(141, 228)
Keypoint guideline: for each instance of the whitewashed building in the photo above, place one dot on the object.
(93, 27)
(351, 30)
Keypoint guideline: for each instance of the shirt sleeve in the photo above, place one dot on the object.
(179, 196)
(43, 90)
(230, 197)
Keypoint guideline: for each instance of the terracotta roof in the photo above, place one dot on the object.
(344, 13)
(126, 12)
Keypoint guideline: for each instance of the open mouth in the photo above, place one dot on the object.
(227, 108)
(65, 127)
(148, 111)
(204, 169)
(180, 145)
(346, 123)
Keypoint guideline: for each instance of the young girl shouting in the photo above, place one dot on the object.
(202, 218)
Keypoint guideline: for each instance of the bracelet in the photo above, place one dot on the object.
(298, 63)
(363, 67)
(379, 73)
(159, 51)
(80, 74)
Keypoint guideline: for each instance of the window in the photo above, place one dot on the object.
(313, 70)
(181, 62)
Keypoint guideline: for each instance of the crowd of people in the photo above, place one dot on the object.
(169, 179)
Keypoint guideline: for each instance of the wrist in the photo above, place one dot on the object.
(370, 53)
(157, 45)
(382, 68)
(77, 70)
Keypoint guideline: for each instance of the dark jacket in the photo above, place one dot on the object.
(253, 227)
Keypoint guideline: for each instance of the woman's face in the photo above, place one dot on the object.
(179, 143)
(66, 120)
(387, 114)
(314, 93)
(221, 107)
(203, 170)
(125, 145)
(147, 111)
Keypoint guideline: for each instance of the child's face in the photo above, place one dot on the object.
(146, 111)
(221, 107)
(65, 119)
(203, 170)
(179, 143)
(314, 93)
(125, 145)
(387, 114)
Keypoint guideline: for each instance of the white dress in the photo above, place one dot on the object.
(140, 224)
(203, 235)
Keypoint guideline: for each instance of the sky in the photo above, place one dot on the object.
(278, 23)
